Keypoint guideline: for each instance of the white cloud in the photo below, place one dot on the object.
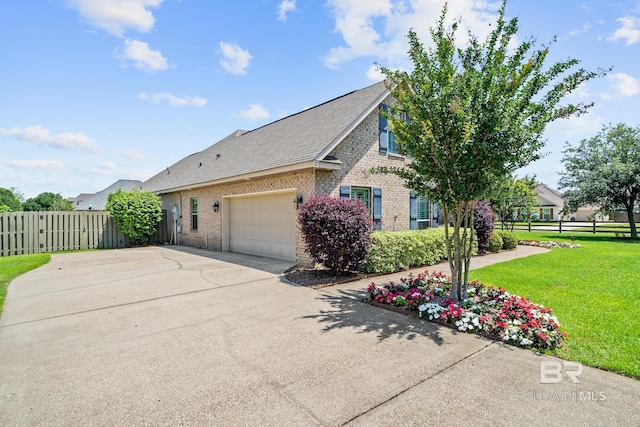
(131, 154)
(142, 56)
(116, 16)
(235, 59)
(66, 140)
(254, 112)
(629, 30)
(624, 84)
(585, 27)
(374, 73)
(49, 166)
(176, 101)
(378, 28)
(285, 7)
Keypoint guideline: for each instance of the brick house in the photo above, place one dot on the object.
(241, 193)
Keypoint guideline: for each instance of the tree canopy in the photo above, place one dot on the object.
(47, 202)
(474, 115)
(10, 200)
(604, 171)
(510, 195)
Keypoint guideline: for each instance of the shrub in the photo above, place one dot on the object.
(495, 243)
(483, 221)
(136, 213)
(399, 250)
(509, 239)
(337, 232)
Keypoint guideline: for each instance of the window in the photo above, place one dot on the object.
(423, 212)
(419, 209)
(546, 214)
(194, 214)
(363, 194)
(373, 205)
(388, 142)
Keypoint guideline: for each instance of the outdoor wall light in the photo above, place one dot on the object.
(297, 201)
(216, 206)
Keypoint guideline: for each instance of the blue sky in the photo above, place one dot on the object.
(92, 91)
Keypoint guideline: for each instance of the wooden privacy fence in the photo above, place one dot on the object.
(36, 232)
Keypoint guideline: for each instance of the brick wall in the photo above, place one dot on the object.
(359, 153)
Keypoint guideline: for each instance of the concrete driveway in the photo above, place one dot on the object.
(179, 336)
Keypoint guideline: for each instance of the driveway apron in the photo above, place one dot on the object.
(181, 336)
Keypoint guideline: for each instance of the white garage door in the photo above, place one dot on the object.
(263, 225)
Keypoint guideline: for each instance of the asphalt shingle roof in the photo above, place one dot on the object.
(302, 137)
(99, 200)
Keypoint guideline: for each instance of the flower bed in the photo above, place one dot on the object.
(549, 244)
(487, 311)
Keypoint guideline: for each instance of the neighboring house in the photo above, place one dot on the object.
(99, 200)
(241, 194)
(551, 203)
(75, 201)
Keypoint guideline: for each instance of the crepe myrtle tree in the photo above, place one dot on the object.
(468, 116)
(605, 171)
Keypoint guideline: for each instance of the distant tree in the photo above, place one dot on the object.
(604, 171)
(511, 194)
(468, 116)
(48, 202)
(136, 213)
(10, 200)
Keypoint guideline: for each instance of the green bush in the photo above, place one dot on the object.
(136, 213)
(495, 243)
(509, 239)
(400, 250)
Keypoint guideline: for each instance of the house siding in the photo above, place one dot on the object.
(359, 152)
(210, 223)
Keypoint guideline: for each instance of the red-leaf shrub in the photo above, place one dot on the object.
(483, 221)
(337, 232)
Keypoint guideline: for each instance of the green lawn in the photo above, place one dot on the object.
(13, 266)
(594, 291)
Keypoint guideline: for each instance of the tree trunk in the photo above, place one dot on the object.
(459, 247)
(632, 223)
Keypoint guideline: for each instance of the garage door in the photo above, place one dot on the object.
(263, 225)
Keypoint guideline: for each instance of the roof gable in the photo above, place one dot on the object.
(547, 196)
(98, 201)
(306, 136)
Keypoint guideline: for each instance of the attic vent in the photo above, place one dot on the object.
(200, 165)
(218, 156)
(168, 171)
(330, 158)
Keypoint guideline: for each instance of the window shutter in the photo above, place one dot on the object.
(345, 192)
(413, 211)
(377, 208)
(382, 129)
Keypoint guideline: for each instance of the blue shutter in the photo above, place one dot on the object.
(377, 208)
(413, 211)
(382, 129)
(345, 192)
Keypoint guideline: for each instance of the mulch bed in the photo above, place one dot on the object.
(319, 277)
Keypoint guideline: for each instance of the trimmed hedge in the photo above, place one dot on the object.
(509, 239)
(400, 250)
(495, 243)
